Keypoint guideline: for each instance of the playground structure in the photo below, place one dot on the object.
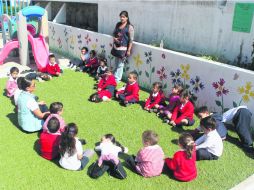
(35, 35)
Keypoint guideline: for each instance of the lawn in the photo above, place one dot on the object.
(22, 168)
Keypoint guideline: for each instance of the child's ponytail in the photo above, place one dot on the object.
(187, 143)
(68, 141)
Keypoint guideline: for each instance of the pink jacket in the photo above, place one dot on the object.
(11, 86)
(60, 119)
(150, 161)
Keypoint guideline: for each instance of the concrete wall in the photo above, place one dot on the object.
(82, 15)
(196, 27)
(216, 85)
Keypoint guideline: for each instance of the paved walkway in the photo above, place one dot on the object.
(247, 184)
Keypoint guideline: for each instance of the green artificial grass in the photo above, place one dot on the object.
(22, 168)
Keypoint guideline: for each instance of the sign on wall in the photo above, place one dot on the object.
(243, 16)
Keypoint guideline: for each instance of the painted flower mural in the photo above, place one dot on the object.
(220, 92)
(246, 92)
(162, 76)
(176, 77)
(137, 60)
(185, 69)
(197, 85)
(151, 70)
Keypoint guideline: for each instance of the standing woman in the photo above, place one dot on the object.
(122, 43)
(30, 112)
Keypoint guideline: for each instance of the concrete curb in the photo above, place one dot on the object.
(247, 184)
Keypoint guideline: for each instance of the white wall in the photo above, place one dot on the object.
(151, 63)
(199, 27)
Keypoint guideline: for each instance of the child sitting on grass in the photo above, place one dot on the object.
(129, 94)
(71, 151)
(156, 98)
(149, 161)
(11, 84)
(56, 110)
(101, 69)
(52, 67)
(106, 88)
(84, 56)
(209, 146)
(173, 101)
(49, 140)
(92, 63)
(183, 163)
(184, 112)
(109, 161)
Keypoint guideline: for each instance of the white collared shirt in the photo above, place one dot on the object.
(212, 142)
(228, 115)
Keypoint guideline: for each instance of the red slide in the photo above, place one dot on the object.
(8, 47)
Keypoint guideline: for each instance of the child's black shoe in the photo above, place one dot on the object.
(83, 141)
(166, 120)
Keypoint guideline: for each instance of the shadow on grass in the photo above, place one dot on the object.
(13, 117)
(37, 149)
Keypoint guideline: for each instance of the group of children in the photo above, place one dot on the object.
(204, 143)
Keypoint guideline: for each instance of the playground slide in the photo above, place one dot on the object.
(40, 51)
(8, 47)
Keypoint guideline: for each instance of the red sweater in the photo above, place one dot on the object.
(106, 81)
(131, 91)
(52, 69)
(92, 62)
(184, 169)
(180, 113)
(153, 100)
(49, 145)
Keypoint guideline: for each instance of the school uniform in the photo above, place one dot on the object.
(49, 143)
(184, 168)
(241, 118)
(149, 161)
(92, 65)
(108, 161)
(129, 93)
(52, 69)
(209, 146)
(107, 85)
(183, 111)
(155, 99)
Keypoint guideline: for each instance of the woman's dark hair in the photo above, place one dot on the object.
(158, 84)
(124, 13)
(56, 107)
(113, 140)
(208, 123)
(14, 69)
(53, 125)
(67, 144)
(24, 83)
(187, 142)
